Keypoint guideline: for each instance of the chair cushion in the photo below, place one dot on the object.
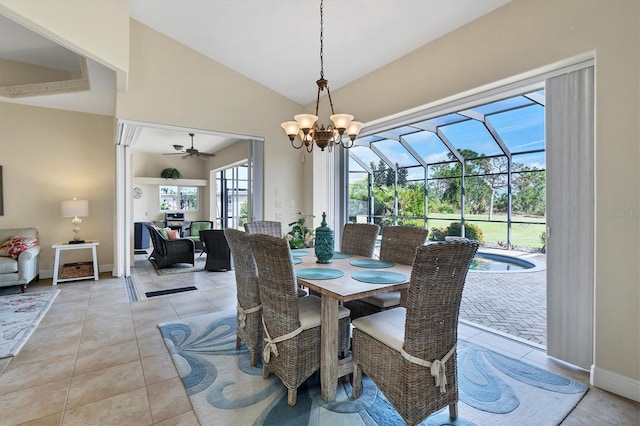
(196, 227)
(386, 326)
(384, 300)
(8, 265)
(173, 234)
(309, 309)
(16, 245)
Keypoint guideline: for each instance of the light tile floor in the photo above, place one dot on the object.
(98, 359)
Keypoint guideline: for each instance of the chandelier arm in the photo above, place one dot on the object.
(330, 101)
(318, 100)
(294, 146)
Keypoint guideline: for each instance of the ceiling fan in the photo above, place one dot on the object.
(190, 152)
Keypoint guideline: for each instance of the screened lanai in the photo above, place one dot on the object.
(477, 172)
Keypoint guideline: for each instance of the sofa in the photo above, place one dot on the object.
(19, 257)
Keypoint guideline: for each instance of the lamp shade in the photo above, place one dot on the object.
(75, 208)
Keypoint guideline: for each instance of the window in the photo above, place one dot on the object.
(482, 166)
(178, 198)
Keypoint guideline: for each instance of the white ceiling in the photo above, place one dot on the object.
(274, 42)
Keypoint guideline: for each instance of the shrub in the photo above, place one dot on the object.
(437, 234)
(543, 240)
(471, 231)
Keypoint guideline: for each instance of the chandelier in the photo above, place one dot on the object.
(306, 127)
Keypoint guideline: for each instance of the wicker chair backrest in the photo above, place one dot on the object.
(434, 296)
(399, 243)
(245, 268)
(266, 227)
(277, 283)
(359, 239)
(156, 240)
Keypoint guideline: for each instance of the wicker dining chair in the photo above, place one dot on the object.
(359, 239)
(249, 308)
(291, 324)
(398, 245)
(267, 227)
(410, 353)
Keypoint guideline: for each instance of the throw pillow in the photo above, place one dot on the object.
(173, 234)
(163, 233)
(16, 245)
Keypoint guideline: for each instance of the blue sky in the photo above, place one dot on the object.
(518, 121)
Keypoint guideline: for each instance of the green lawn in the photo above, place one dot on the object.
(522, 234)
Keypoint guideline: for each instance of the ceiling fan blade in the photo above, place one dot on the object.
(173, 153)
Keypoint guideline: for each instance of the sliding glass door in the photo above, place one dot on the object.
(232, 194)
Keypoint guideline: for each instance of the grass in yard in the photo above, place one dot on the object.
(524, 235)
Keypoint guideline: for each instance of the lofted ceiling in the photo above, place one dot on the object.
(274, 42)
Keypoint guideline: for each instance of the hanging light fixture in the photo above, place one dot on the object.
(306, 127)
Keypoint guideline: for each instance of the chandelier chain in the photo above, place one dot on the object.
(321, 42)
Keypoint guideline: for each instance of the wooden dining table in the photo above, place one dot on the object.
(333, 291)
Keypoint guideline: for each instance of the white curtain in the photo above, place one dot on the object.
(570, 216)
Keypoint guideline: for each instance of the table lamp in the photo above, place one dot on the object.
(75, 209)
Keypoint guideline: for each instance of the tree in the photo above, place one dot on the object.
(529, 191)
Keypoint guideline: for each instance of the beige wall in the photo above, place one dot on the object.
(526, 35)
(15, 73)
(51, 155)
(170, 84)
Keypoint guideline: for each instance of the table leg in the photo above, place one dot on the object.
(329, 348)
(94, 252)
(56, 266)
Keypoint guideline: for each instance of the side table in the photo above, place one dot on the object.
(59, 247)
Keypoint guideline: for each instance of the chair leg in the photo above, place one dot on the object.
(292, 395)
(265, 372)
(453, 410)
(357, 380)
(238, 342)
(254, 358)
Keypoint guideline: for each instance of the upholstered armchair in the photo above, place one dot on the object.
(169, 252)
(19, 257)
(194, 231)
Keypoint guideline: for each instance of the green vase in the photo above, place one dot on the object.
(324, 242)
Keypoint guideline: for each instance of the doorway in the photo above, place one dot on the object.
(130, 138)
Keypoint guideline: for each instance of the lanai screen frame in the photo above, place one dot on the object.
(408, 156)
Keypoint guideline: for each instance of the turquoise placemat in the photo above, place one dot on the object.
(296, 260)
(298, 252)
(371, 263)
(319, 273)
(338, 255)
(379, 277)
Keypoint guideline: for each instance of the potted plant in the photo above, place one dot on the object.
(170, 173)
(300, 235)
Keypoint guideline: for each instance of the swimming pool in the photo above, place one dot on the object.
(498, 262)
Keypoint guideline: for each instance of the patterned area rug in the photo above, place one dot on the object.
(225, 389)
(20, 314)
(181, 268)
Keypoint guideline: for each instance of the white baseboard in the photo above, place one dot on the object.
(615, 383)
